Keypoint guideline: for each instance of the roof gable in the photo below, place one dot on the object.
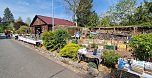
(57, 21)
(38, 22)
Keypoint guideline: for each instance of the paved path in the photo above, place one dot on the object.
(17, 61)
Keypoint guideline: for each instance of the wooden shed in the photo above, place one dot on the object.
(44, 23)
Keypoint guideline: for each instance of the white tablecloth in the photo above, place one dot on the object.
(29, 40)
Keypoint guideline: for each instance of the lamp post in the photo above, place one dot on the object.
(52, 15)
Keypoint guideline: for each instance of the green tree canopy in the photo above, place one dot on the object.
(120, 13)
(10, 26)
(105, 21)
(108, 18)
(19, 19)
(124, 9)
(71, 6)
(83, 12)
(93, 20)
(126, 12)
(142, 15)
(8, 16)
(18, 24)
(28, 21)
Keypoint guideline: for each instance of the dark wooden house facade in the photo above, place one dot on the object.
(44, 23)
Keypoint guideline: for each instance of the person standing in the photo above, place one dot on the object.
(37, 35)
(77, 36)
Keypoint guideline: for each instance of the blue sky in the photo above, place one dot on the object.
(30, 8)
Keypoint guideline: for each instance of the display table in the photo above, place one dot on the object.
(85, 55)
(144, 75)
(135, 67)
(35, 42)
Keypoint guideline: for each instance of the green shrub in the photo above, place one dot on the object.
(83, 46)
(70, 51)
(24, 30)
(48, 40)
(147, 24)
(74, 41)
(55, 40)
(60, 37)
(46, 36)
(93, 45)
(110, 58)
(142, 46)
(92, 64)
(6, 26)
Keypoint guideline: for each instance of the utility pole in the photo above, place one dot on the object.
(75, 17)
(52, 15)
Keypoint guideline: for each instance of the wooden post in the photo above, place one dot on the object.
(114, 30)
(135, 30)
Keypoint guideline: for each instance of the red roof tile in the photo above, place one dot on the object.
(57, 21)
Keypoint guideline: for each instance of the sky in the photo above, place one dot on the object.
(30, 8)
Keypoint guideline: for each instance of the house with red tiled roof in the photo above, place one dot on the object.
(44, 23)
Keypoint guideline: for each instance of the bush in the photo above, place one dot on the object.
(92, 64)
(55, 40)
(110, 58)
(24, 30)
(146, 24)
(6, 26)
(60, 36)
(74, 41)
(70, 51)
(48, 40)
(46, 36)
(93, 45)
(142, 46)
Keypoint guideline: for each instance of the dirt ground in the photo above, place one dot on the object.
(125, 54)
